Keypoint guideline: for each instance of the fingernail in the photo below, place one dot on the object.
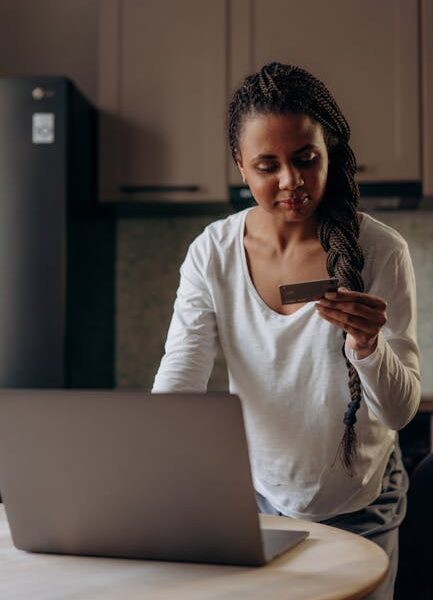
(330, 295)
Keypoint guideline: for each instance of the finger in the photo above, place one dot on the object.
(374, 315)
(361, 337)
(346, 319)
(344, 295)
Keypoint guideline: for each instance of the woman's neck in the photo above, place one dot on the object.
(282, 235)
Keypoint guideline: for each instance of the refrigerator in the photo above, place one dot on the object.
(56, 252)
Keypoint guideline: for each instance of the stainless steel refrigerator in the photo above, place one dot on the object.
(56, 253)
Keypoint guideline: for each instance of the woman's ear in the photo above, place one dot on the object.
(241, 169)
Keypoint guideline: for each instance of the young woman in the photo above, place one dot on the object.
(306, 373)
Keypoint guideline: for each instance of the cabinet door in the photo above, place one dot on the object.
(365, 51)
(163, 92)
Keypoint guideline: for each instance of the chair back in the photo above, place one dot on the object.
(415, 571)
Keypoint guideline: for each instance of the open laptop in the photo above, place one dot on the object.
(131, 474)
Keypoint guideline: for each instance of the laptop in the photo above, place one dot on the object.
(132, 474)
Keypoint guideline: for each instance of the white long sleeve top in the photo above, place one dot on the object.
(289, 372)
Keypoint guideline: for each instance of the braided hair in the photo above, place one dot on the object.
(282, 89)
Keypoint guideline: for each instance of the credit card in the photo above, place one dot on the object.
(307, 291)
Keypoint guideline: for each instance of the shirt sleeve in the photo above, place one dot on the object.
(191, 343)
(390, 376)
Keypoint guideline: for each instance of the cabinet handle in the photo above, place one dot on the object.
(137, 189)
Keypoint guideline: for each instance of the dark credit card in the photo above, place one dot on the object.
(307, 291)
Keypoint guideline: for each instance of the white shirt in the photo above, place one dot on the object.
(290, 373)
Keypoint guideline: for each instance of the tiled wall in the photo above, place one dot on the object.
(149, 253)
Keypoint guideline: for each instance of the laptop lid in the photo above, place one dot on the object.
(129, 474)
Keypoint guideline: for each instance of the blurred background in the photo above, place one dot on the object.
(113, 157)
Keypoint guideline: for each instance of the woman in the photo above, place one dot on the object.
(305, 373)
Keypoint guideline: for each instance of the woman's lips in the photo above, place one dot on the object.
(295, 201)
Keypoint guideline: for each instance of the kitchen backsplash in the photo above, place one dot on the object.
(149, 254)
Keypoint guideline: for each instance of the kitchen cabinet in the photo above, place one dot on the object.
(365, 51)
(426, 26)
(162, 95)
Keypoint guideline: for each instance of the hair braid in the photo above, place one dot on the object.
(282, 89)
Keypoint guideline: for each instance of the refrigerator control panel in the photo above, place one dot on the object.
(43, 128)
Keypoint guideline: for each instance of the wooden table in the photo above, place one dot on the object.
(330, 564)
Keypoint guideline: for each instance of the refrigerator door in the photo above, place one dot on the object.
(33, 118)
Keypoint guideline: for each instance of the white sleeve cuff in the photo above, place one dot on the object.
(371, 360)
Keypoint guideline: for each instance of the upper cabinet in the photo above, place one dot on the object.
(426, 22)
(166, 69)
(366, 52)
(162, 93)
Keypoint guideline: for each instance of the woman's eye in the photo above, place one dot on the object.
(306, 159)
(266, 168)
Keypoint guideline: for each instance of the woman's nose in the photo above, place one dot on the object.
(290, 178)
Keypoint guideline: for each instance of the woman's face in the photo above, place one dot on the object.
(285, 163)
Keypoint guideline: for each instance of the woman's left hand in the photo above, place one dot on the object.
(360, 315)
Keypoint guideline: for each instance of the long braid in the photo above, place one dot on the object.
(338, 234)
(281, 89)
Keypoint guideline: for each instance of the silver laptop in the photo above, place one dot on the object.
(130, 474)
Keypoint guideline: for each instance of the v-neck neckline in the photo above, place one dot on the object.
(247, 275)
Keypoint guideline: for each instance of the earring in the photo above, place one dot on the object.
(243, 178)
